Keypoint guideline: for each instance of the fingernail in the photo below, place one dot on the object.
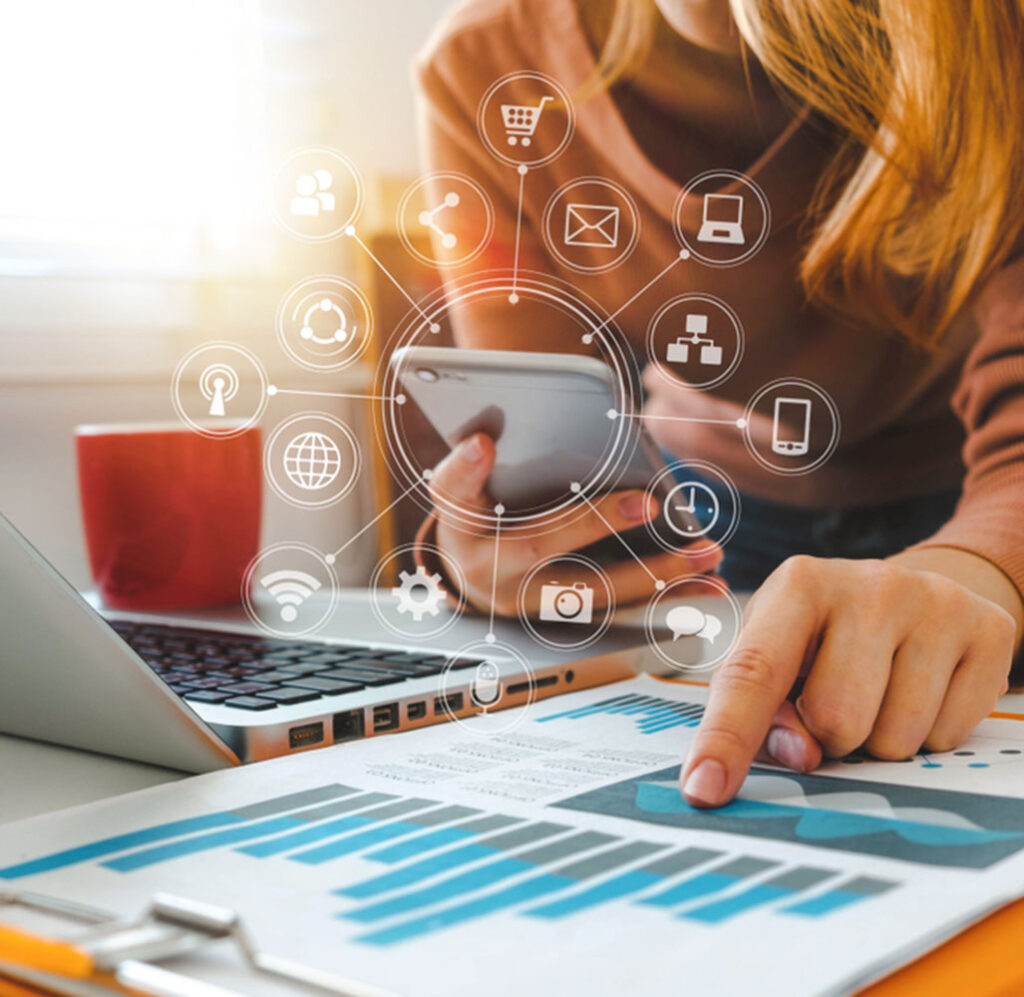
(634, 507)
(706, 783)
(472, 450)
(787, 748)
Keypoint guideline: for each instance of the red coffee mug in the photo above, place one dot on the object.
(172, 518)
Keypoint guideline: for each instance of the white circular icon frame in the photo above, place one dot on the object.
(456, 604)
(804, 385)
(270, 470)
(293, 299)
(693, 246)
(425, 181)
(662, 366)
(706, 540)
(347, 220)
(593, 634)
(249, 601)
(720, 589)
(559, 196)
(233, 426)
(495, 149)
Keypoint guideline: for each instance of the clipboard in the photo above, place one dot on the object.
(107, 955)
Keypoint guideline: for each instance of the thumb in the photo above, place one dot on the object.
(460, 478)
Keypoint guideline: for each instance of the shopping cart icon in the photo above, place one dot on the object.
(521, 120)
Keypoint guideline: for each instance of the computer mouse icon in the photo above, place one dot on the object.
(486, 689)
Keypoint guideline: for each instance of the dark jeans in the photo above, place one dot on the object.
(769, 532)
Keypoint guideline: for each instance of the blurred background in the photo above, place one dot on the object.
(139, 141)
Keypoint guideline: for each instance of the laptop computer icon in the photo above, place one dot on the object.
(723, 219)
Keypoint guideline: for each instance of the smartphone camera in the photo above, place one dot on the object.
(567, 603)
(426, 374)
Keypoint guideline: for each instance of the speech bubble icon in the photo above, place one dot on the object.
(711, 629)
(687, 621)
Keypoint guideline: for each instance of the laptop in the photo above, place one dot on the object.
(723, 219)
(208, 692)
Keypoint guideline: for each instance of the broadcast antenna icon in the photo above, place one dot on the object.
(218, 384)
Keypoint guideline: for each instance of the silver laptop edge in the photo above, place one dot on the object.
(67, 677)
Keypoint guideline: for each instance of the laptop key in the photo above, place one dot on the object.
(301, 668)
(365, 678)
(203, 683)
(246, 688)
(325, 658)
(289, 696)
(275, 677)
(329, 687)
(206, 696)
(250, 703)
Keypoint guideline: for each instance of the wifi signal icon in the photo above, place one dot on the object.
(290, 589)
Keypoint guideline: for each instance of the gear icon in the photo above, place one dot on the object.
(419, 593)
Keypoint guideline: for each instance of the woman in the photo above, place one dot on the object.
(888, 138)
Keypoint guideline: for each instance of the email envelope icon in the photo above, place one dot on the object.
(592, 225)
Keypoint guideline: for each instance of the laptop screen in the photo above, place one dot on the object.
(727, 208)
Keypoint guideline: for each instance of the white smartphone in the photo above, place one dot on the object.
(548, 414)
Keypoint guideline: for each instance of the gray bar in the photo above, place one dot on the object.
(343, 807)
(442, 816)
(397, 809)
(744, 866)
(670, 865)
(524, 836)
(492, 822)
(566, 847)
(612, 859)
(801, 878)
(282, 803)
(867, 886)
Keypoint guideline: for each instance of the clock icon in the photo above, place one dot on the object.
(692, 509)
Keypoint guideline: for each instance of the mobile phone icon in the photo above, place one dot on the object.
(791, 427)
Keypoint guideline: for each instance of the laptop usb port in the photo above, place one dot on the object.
(385, 717)
(416, 711)
(348, 726)
(444, 705)
(306, 735)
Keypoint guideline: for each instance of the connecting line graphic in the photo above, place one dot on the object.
(498, 511)
(331, 558)
(514, 296)
(738, 423)
(684, 254)
(273, 389)
(658, 583)
(351, 232)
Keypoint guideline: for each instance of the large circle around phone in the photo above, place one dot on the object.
(564, 423)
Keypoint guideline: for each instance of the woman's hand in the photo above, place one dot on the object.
(461, 478)
(894, 658)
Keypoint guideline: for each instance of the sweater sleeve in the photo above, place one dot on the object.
(989, 519)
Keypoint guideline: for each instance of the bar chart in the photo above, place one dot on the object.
(651, 714)
(440, 865)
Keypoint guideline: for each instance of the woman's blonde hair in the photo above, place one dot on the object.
(924, 198)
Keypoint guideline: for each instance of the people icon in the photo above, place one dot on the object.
(313, 194)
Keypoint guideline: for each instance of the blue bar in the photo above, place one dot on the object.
(353, 842)
(274, 846)
(201, 843)
(691, 889)
(613, 889)
(423, 869)
(824, 904)
(97, 849)
(529, 889)
(403, 850)
(584, 711)
(722, 910)
(679, 722)
(466, 882)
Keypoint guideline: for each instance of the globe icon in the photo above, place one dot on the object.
(312, 461)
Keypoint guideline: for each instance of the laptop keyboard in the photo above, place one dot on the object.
(257, 673)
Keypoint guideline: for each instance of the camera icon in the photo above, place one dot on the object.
(567, 603)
